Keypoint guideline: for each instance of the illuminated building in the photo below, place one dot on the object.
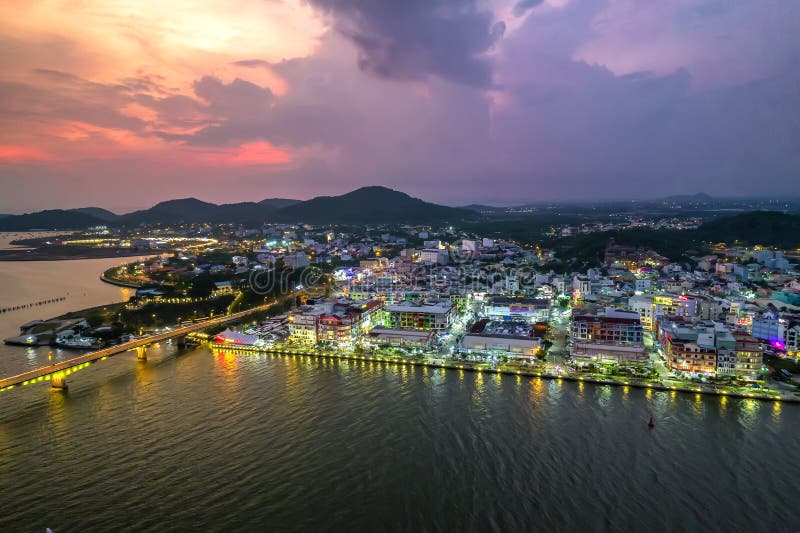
(608, 337)
(514, 339)
(652, 307)
(749, 356)
(529, 309)
(412, 315)
(709, 348)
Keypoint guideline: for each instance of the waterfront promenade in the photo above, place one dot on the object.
(543, 373)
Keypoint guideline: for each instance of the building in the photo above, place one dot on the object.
(339, 330)
(469, 245)
(222, 288)
(779, 331)
(401, 337)
(609, 336)
(652, 307)
(296, 260)
(335, 322)
(513, 339)
(427, 316)
(709, 348)
(507, 308)
(434, 256)
(581, 286)
(749, 356)
(303, 325)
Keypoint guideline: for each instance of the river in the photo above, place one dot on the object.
(213, 441)
(24, 282)
(202, 441)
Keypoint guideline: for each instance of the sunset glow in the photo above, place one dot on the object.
(344, 93)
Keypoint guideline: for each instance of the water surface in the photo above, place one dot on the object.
(220, 442)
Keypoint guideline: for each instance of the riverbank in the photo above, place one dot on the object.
(119, 283)
(487, 369)
(66, 253)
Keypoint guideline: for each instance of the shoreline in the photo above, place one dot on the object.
(509, 372)
(38, 254)
(112, 281)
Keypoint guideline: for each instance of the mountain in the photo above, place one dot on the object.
(278, 203)
(192, 210)
(50, 219)
(184, 209)
(370, 205)
(97, 212)
(362, 206)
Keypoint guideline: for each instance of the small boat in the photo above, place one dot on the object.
(651, 424)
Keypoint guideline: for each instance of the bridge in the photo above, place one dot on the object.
(57, 372)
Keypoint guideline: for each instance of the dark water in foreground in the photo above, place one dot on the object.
(242, 442)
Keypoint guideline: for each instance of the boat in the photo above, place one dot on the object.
(78, 342)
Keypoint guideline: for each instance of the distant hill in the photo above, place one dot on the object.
(278, 203)
(50, 219)
(768, 228)
(699, 198)
(192, 210)
(765, 228)
(171, 211)
(362, 206)
(370, 205)
(478, 208)
(97, 212)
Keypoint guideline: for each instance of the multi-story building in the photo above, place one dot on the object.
(608, 337)
(506, 308)
(303, 326)
(749, 356)
(652, 307)
(781, 332)
(336, 322)
(726, 362)
(412, 315)
(709, 348)
(434, 256)
(296, 260)
(341, 330)
(692, 357)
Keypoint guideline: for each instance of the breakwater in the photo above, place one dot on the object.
(39, 303)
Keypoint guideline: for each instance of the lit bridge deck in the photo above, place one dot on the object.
(57, 372)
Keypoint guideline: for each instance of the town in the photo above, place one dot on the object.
(726, 320)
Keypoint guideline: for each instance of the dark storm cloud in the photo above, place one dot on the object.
(412, 39)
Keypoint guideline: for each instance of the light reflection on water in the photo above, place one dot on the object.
(296, 440)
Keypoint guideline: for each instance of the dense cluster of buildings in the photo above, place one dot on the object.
(420, 287)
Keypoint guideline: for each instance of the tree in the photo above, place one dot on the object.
(202, 286)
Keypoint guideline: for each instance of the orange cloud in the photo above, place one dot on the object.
(248, 154)
(22, 154)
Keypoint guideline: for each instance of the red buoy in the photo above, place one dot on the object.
(651, 424)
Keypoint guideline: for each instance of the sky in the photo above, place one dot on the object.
(122, 104)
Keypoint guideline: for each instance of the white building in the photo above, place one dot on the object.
(468, 245)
